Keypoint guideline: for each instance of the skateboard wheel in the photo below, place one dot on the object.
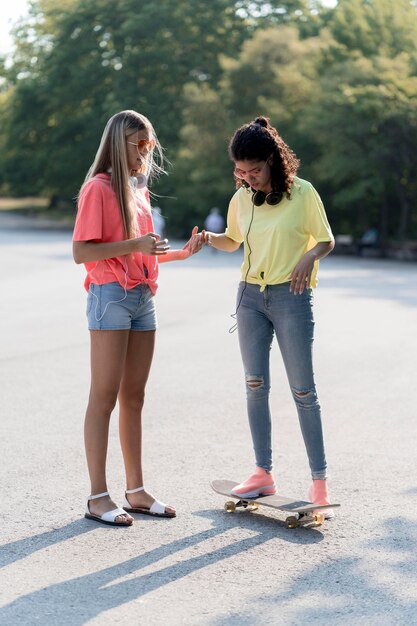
(319, 518)
(292, 522)
(253, 506)
(230, 506)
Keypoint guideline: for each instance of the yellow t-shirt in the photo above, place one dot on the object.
(279, 234)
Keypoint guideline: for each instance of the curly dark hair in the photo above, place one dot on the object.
(258, 141)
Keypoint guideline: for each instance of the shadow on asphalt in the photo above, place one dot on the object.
(341, 580)
(81, 599)
(352, 596)
(16, 550)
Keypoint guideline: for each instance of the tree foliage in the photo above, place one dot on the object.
(79, 63)
(340, 84)
(369, 91)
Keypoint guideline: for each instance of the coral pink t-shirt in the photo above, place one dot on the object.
(99, 220)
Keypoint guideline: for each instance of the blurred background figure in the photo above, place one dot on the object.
(369, 239)
(214, 222)
(158, 222)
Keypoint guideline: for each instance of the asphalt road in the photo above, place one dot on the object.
(206, 567)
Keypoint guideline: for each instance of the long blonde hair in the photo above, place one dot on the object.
(112, 157)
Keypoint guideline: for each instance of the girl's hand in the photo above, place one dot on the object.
(152, 244)
(301, 274)
(195, 243)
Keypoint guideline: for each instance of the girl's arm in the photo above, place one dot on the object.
(88, 251)
(193, 245)
(222, 242)
(301, 274)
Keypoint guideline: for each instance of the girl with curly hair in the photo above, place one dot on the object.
(282, 223)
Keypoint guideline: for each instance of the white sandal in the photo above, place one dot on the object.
(157, 509)
(108, 517)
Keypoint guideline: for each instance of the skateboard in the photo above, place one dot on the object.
(303, 513)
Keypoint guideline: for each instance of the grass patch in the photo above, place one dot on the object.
(39, 207)
(11, 204)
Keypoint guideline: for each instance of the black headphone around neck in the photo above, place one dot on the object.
(259, 197)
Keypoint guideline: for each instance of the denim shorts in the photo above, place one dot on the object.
(111, 307)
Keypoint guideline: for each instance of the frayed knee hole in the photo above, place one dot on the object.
(254, 382)
(303, 393)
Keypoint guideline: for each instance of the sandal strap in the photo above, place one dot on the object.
(135, 490)
(158, 507)
(98, 495)
(110, 516)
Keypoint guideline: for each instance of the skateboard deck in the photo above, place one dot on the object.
(302, 512)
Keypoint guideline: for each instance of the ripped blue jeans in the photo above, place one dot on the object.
(290, 317)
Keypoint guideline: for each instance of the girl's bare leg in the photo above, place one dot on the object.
(138, 361)
(108, 354)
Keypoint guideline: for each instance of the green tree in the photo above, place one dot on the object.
(339, 84)
(375, 27)
(366, 138)
(78, 64)
(274, 75)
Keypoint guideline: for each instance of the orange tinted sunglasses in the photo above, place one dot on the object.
(142, 143)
